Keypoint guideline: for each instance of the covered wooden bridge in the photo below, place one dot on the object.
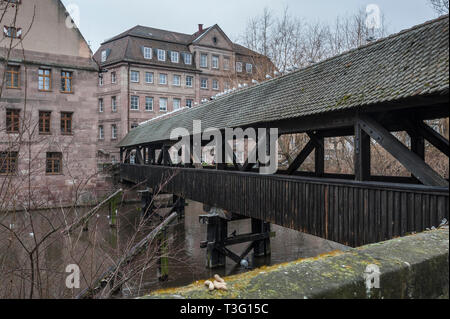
(394, 84)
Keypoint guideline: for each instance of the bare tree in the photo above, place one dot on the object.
(439, 6)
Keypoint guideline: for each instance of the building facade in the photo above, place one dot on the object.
(147, 72)
(48, 118)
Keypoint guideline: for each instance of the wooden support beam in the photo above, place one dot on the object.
(436, 139)
(151, 155)
(362, 154)
(223, 164)
(319, 157)
(245, 238)
(167, 161)
(139, 159)
(422, 171)
(160, 157)
(302, 156)
(417, 144)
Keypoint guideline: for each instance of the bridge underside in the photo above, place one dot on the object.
(348, 212)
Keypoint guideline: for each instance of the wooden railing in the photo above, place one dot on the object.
(349, 212)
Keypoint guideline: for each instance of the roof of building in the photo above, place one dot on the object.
(414, 62)
(127, 45)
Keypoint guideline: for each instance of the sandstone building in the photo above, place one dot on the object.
(48, 119)
(147, 72)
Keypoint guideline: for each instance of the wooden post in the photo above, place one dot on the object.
(319, 156)
(181, 203)
(261, 247)
(362, 154)
(163, 261)
(217, 231)
(152, 155)
(223, 165)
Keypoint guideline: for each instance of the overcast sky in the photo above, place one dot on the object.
(103, 19)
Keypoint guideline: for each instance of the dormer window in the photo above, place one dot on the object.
(104, 56)
(174, 57)
(147, 53)
(161, 55)
(188, 58)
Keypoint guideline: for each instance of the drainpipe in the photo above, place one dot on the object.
(128, 97)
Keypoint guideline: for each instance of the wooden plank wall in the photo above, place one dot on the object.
(347, 212)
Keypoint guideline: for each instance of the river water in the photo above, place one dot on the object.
(96, 249)
(188, 261)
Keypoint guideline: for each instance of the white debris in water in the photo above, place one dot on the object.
(164, 115)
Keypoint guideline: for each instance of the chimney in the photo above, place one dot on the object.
(200, 28)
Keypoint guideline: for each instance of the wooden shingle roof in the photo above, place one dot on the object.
(414, 62)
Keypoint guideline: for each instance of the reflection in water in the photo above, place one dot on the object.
(98, 248)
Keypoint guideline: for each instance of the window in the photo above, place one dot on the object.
(114, 104)
(176, 104)
(134, 102)
(149, 103)
(134, 76)
(113, 77)
(204, 83)
(161, 55)
(226, 85)
(100, 80)
(189, 103)
(147, 53)
(238, 66)
(114, 131)
(101, 132)
(8, 162)
(226, 63)
(215, 85)
(44, 122)
(104, 56)
(12, 77)
(53, 164)
(174, 57)
(163, 79)
(189, 81)
(177, 80)
(100, 105)
(163, 104)
(148, 77)
(12, 121)
(66, 123)
(215, 62)
(204, 60)
(249, 68)
(188, 58)
(45, 80)
(12, 32)
(66, 82)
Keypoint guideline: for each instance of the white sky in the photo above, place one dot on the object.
(103, 19)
